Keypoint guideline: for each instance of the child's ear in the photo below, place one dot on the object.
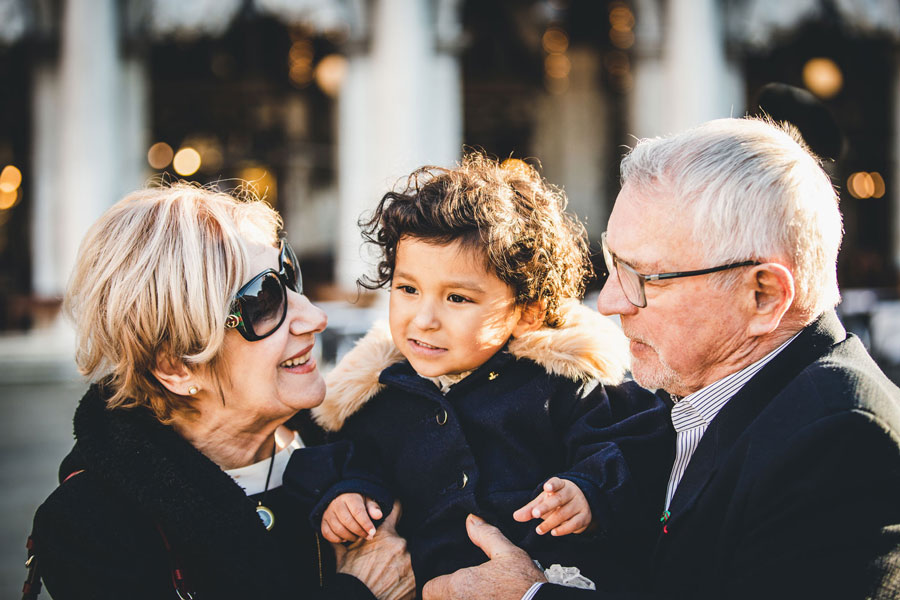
(530, 319)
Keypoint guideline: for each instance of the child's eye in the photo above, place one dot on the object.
(457, 299)
(406, 289)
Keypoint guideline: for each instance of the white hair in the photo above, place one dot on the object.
(754, 191)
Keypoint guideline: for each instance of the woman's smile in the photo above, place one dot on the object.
(302, 362)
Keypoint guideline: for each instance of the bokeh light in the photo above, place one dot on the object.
(555, 40)
(621, 21)
(300, 61)
(261, 182)
(330, 73)
(621, 39)
(160, 155)
(823, 77)
(10, 178)
(8, 199)
(209, 147)
(878, 180)
(557, 66)
(186, 161)
(620, 16)
(862, 185)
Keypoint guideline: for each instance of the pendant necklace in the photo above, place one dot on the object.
(265, 513)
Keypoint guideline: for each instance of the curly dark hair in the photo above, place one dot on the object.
(505, 210)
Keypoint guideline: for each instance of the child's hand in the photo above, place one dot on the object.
(562, 506)
(347, 518)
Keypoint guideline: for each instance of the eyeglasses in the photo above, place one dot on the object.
(260, 306)
(633, 282)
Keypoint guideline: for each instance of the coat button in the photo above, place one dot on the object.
(441, 417)
(464, 480)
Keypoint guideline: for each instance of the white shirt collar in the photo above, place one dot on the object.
(252, 478)
(701, 407)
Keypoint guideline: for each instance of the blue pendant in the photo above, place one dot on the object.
(266, 516)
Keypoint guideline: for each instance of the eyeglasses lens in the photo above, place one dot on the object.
(262, 304)
(290, 269)
(631, 285)
(629, 279)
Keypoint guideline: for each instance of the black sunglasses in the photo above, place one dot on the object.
(260, 306)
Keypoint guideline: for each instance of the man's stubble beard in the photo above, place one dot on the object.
(661, 377)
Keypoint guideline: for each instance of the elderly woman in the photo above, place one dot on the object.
(192, 324)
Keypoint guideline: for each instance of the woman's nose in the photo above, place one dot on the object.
(305, 317)
(612, 300)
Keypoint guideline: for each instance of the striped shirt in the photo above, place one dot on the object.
(692, 414)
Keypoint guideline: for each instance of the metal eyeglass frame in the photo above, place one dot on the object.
(613, 262)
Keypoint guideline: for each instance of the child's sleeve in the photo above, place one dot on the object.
(618, 442)
(317, 475)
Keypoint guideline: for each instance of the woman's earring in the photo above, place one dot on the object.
(193, 390)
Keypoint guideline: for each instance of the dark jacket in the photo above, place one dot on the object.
(96, 535)
(794, 489)
(488, 445)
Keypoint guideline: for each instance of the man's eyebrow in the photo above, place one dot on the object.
(643, 268)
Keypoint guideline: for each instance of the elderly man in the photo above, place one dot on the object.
(785, 480)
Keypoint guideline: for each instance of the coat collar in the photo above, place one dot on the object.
(173, 485)
(587, 347)
(813, 342)
(401, 375)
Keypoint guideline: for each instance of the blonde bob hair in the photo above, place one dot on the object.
(154, 279)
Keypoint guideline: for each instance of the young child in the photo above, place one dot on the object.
(483, 397)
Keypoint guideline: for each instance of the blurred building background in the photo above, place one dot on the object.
(324, 104)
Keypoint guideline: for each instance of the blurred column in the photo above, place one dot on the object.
(400, 108)
(46, 245)
(570, 133)
(894, 176)
(133, 124)
(355, 189)
(701, 83)
(446, 102)
(88, 113)
(91, 128)
(403, 50)
(646, 108)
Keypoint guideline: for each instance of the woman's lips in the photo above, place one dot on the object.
(302, 362)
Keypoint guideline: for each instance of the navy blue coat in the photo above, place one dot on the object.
(486, 447)
(793, 491)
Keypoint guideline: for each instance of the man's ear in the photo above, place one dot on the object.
(175, 376)
(530, 319)
(773, 294)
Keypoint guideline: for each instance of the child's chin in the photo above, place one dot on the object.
(428, 370)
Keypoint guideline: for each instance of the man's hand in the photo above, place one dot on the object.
(507, 575)
(349, 518)
(562, 506)
(382, 562)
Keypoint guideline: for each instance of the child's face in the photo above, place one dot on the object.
(447, 313)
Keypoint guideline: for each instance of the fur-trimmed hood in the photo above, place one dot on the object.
(587, 347)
